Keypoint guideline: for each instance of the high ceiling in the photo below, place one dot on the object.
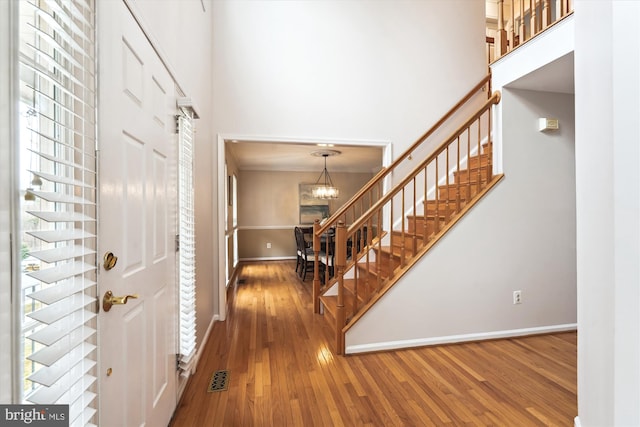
(296, 156)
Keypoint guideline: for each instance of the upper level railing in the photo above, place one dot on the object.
(513, 22)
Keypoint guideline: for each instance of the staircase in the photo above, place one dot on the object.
(379, 235)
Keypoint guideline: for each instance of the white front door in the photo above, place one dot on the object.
(137, 197)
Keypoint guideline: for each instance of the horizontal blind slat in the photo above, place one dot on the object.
(62, 216)
(61, 272)
(53, 236)
(53, 333)
(65, 162)
(62, 289)
(62, 253)
(60, 197)
(54, 312)
(60, 179)
(47, 356)
(49, 375)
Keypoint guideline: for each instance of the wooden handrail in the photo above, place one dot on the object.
(495, 99)
(385, 171)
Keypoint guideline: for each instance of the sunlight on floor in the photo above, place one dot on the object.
(324, 356)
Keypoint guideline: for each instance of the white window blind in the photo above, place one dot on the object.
(187, 258)
(58, 184)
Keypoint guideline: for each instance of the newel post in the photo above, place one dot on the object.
(316, 267)
(341, 262)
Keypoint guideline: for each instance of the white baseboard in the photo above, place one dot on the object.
(281, 258)
(481, 336)
(204, 342)
(576, 422)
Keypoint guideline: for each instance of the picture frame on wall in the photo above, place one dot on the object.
(311, 208)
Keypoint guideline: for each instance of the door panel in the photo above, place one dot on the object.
(137, 208)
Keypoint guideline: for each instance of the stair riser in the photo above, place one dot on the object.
(417, 225)
(451, 192)
(465, 176)
(430, 206)
(482, 160)
(382, 262)
(396, 242)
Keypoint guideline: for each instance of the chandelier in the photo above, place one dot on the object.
(324, 188)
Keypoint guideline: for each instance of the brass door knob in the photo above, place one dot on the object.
(108, 300)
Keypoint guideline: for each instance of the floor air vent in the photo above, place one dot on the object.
(219, 381)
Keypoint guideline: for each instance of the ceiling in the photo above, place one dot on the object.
(296, 156)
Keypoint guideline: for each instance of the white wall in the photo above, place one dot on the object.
(607, 61)
(349, 70)
(521, 236)
(181, 30)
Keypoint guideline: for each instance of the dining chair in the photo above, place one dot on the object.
(305, 254)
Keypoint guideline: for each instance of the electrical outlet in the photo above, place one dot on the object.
(517, 297)
(268, 245)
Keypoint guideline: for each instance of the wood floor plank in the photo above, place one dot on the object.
(283, 371)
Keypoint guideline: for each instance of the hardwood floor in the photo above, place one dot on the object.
(282, 371)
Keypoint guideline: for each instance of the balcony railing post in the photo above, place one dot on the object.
(521, 30)
(501, 34)
(512, 27)
(341, 262)
(546, 13)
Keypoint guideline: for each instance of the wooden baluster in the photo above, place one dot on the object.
(436, 219)
(316, 267)
(379, 242)
(490, 145)
(415, 218)
(511, 27)
(341, 261)
(546, 13)
(402, 231)
(458, 176)
(426, 205)
(468, 161)
(501, 34)
(521, 30)
(379, 264)
(448, 209)
(534, 17)
(479, 154)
